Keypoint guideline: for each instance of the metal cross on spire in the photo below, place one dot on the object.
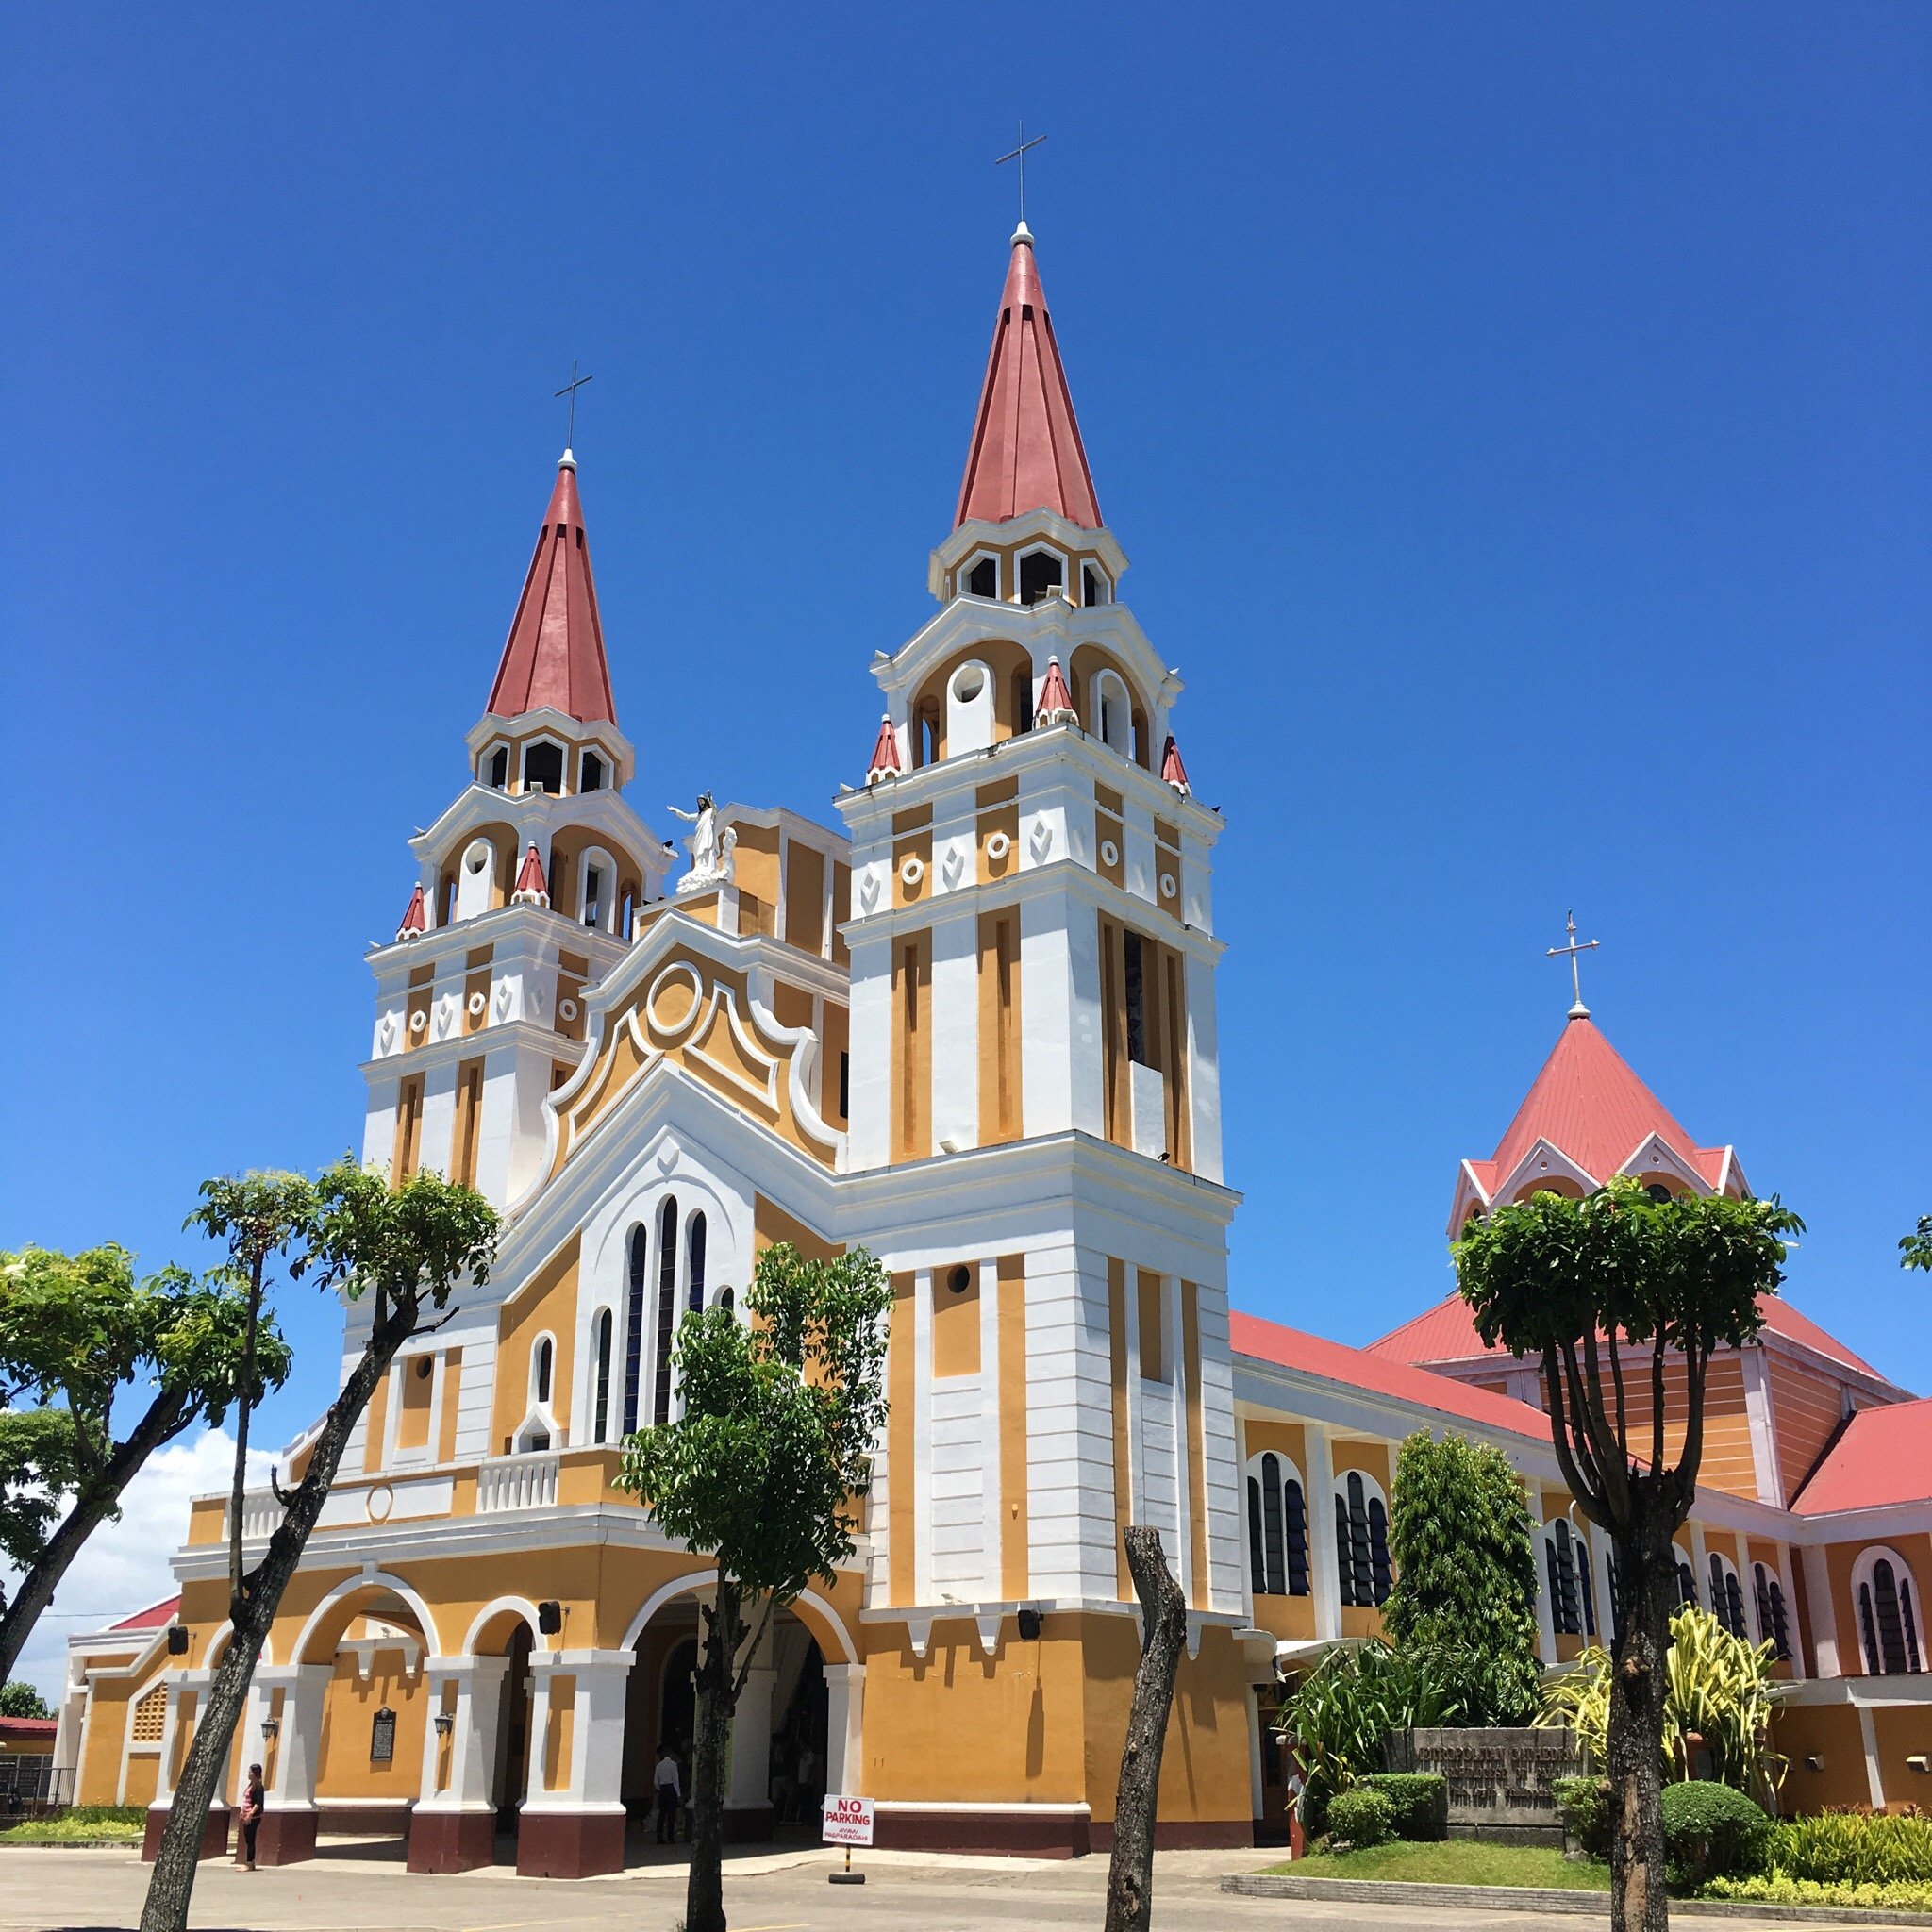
(1579, 1011)
(570, 389)
(1019, 154)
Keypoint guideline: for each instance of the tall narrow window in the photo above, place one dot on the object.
(1022, 700)
(1559, 1561)
(666, 1307)
(1361, 1536)
(1686, 1582)
(593, 773)
(499, 768)
(1344, 1549)
(593, 895)
(1772, 1625)
(694, 1256)
(408, 1128)
(1137, 1000)
(600, 1349)
(639, 1271)
(1888, 1621)
(844, 1085)
(1040, 571)
(1274, 1552)
(983, 579)
(469, 1119)
(541, 1363)
(1378, 1550)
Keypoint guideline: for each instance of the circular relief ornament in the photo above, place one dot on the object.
(912, 871)
(477, 1002)
(1109, 853)
(998, 846)
(379, 1502)
(418, 1020)
(566, 1009)
(1168, 885)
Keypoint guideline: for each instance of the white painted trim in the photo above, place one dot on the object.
(368, 1578)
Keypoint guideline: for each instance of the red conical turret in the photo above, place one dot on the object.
(416, 920)
(555, 655)
(1172, 771)
(1026, 451)
(885, 752)
(1056, 701)
(532, 887)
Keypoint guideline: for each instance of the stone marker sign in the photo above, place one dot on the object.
(1500, 1782)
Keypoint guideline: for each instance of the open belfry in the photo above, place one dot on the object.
(974, 1031)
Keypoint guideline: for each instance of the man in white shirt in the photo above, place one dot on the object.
(669, 1784)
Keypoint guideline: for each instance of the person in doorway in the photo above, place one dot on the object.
(669, 1784)
(254, 1802)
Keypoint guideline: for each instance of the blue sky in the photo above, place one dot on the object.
(1517, 417)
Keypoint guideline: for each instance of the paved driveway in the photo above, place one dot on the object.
(348, 1889)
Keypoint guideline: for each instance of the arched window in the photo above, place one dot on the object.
(695, 1260)
(638, 1271)
(726, 1300)
(1888, 1613)
(1727, 1594)
(666, 1307)
(1687, 1577)
(542, 1361)
(1361, 1541)
(476, 876)
(1113, 715)
(1773, 1627)
(1568, 1584)
(600, 1364)
(1277, 1528)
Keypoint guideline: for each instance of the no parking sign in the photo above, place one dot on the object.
(847, 1821)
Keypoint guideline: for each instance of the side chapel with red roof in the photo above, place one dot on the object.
(974, 1028)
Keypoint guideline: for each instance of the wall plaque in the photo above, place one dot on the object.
(1501, 1779)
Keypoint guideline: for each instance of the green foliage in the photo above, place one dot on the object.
(19, 1699)
(37, 1471)
(1340, 1713)
(1418, 1800)
(1360, 1817)
(1776, 1887)
(1711, 1831)
(1584, 1806)
(773, 1447)
(1455, 1861)
(1465, 1577)
(1853, 1848)
(408, 1248)
(81, 1825)
(1719, 1686)
(1915, 1249)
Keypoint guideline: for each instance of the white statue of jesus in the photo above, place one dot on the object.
(710, 852)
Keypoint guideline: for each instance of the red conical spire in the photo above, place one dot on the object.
(532, 887)
(555, 655)
(416, 918)
(1026, 451)
(1055, 705)
(885, 751)
(1172, 771)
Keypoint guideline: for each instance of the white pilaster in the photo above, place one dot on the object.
(1545, 1610)
(1820, 1612)
(749, 1785)
(1326, 1581)
(844, 1705)
(956, 1031)
(1762, 1417)
(298, 1746)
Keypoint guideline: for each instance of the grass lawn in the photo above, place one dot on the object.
(85, 1824)
(1455, 1861)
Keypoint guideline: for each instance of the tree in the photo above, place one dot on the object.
(1163, 1630)
(1915, 1249)
(76, 1332)
(1464, 1599)
(1584, 1286)
(404, 1251)
(763, 1472)
(19, 1699)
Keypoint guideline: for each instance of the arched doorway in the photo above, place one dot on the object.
(510, 1781)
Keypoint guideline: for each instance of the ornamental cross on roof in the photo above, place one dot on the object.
(1019, 154)
(570, 389)
(1578, 1011)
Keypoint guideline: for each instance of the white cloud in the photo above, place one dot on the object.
(124, 1566)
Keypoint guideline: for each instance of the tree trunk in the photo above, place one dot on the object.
(166, 1418)
(704, 1898)
(1639, 1677)
(1164, 1621)
(172, 1881)
(244, 1388)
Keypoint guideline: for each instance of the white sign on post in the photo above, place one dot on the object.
(847, 1821)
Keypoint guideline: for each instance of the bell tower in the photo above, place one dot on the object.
(1035, 1099)
(527, 888)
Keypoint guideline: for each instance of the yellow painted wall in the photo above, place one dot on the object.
(344, 1768)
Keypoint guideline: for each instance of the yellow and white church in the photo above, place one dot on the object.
(974, 1030)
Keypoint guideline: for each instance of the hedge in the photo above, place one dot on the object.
(1418, 1799)
(1711, 1831)
(1360, 1817)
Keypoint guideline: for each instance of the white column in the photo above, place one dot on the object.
(919, 1477)
(298, 1745)
(1700, 1565)
(596, 1739)
(1326, 1581)
(171, 1731)
(1868, 1736)
(544, 1664)
(1793, 1636)
(749, 1786)
(1762, 1418)
(956, 1031)
(1600, 1583)
(844, 1702)
(1821, 1612)
(1545, 1610)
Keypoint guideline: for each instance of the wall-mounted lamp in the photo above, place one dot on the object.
(271, 1726)
(445, 1723)
(177, 1639)
(1920, 1761)
(549, 1617)
(1814, 1762)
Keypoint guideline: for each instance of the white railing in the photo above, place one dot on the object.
(517, 1482)
(261, 1515)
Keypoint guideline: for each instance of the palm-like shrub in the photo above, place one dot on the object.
(1720, 1687)
(1338, 1714)
(1853, 1848)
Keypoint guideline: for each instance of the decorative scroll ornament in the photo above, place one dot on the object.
(711, 849)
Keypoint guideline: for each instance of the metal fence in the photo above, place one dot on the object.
(31, 1785)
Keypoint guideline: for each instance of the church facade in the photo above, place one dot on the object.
(972, 1028)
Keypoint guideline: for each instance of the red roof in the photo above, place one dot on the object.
(1447, 1333)
(1588, 1105)
(29, 1729)
(554, 654)
(1357, 1368)
(156, 1617)
(1026, 451)
(1885, 1456)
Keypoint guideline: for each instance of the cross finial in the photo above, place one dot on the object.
(570, 389)
(1019, 154)
(1578, 1012)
